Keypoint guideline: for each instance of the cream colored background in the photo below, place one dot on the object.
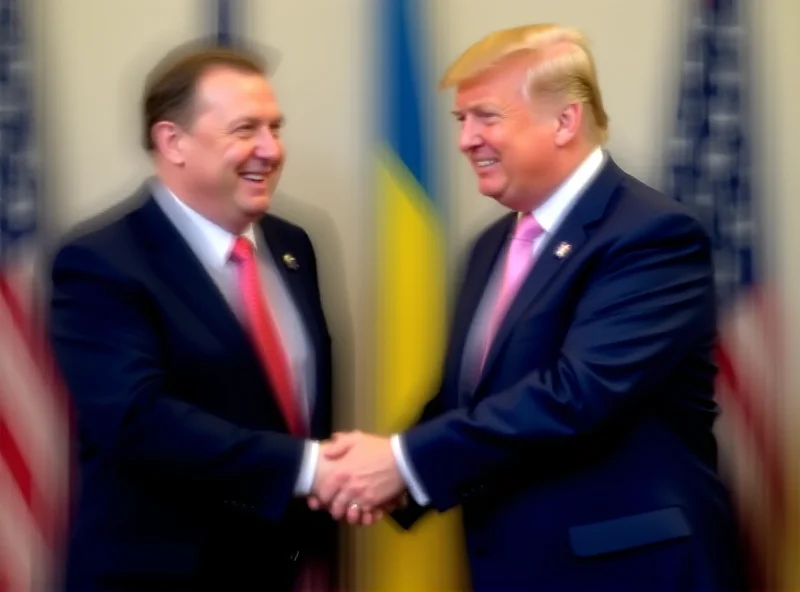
(92, 56)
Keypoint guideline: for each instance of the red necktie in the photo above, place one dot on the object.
(264, 334)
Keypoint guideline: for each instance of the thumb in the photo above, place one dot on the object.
(339, 445)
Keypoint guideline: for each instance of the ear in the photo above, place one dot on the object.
(569, 123)
(168, 138)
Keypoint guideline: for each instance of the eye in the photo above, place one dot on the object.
(276, 130)
(245, 130)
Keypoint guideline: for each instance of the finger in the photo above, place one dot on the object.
(355, 516)
(338, 507)
(327, 491)
(314, 503)
(374, 516)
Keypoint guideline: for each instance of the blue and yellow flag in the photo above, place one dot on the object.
(412, 306)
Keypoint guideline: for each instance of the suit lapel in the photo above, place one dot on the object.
(544, 270)
(292, 269)
(289, 259)
(178, 266)
(574, 232)
(475, 283)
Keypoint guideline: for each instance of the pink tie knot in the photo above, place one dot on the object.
(528, 229)
(242, 250)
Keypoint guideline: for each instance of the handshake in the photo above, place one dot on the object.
(357, 478)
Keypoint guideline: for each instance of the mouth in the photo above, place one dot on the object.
(256, 179)
(484, 164)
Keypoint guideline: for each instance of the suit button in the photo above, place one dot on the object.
(295, 555)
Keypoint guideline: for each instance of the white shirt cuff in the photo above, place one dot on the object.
(308, 468)
(415, 488)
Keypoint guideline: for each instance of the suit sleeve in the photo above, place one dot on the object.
(646, 304)
(106, 345)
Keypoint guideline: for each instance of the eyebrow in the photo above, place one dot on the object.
(279, 121)
(476, 108)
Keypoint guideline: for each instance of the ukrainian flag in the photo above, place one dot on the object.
(412, 311)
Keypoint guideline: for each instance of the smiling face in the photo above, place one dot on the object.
(230, 156)
(509, 139)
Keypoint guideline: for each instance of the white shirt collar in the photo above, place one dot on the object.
(550, 214)
(216, 243)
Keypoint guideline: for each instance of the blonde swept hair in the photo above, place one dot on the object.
(562, 67)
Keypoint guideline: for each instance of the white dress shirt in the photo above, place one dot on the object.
(549, 215)
(212, 245)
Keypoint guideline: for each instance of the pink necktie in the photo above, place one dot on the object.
(518, 262)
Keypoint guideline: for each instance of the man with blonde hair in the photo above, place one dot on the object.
(574, 419)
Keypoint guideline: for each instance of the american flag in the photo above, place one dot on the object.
(710, 170)
(34, 451)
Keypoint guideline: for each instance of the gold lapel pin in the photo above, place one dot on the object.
(562, 250)
(290, 261)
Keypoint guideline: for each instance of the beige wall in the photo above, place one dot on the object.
(93, 54)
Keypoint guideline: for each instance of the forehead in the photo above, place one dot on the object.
(501, 84)
(232, 93)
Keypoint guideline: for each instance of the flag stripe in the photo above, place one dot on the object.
(34, 419)
(764, 435)
(403, 117)
(18, 547)
(15, 462)
(30, 431)
(411, 308)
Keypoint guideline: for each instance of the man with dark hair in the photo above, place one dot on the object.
(192, 338)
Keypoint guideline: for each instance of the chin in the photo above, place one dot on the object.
(493, 188)
(256, 204)
(494, 193)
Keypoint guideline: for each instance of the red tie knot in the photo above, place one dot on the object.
(242, 249)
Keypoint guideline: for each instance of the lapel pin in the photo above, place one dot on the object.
(562, 250)
(290, 261)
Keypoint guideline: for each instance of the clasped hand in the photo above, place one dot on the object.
(357, 478)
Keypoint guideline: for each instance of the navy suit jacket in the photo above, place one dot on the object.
(585, 458)
(187, 468)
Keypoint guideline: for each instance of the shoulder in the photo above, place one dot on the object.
(103, 238)
(641, 213)
(273, 224)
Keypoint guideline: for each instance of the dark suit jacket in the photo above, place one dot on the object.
(187, 469)
(585, 458)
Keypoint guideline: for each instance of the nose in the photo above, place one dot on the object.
(469, 137)
(268, 146)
